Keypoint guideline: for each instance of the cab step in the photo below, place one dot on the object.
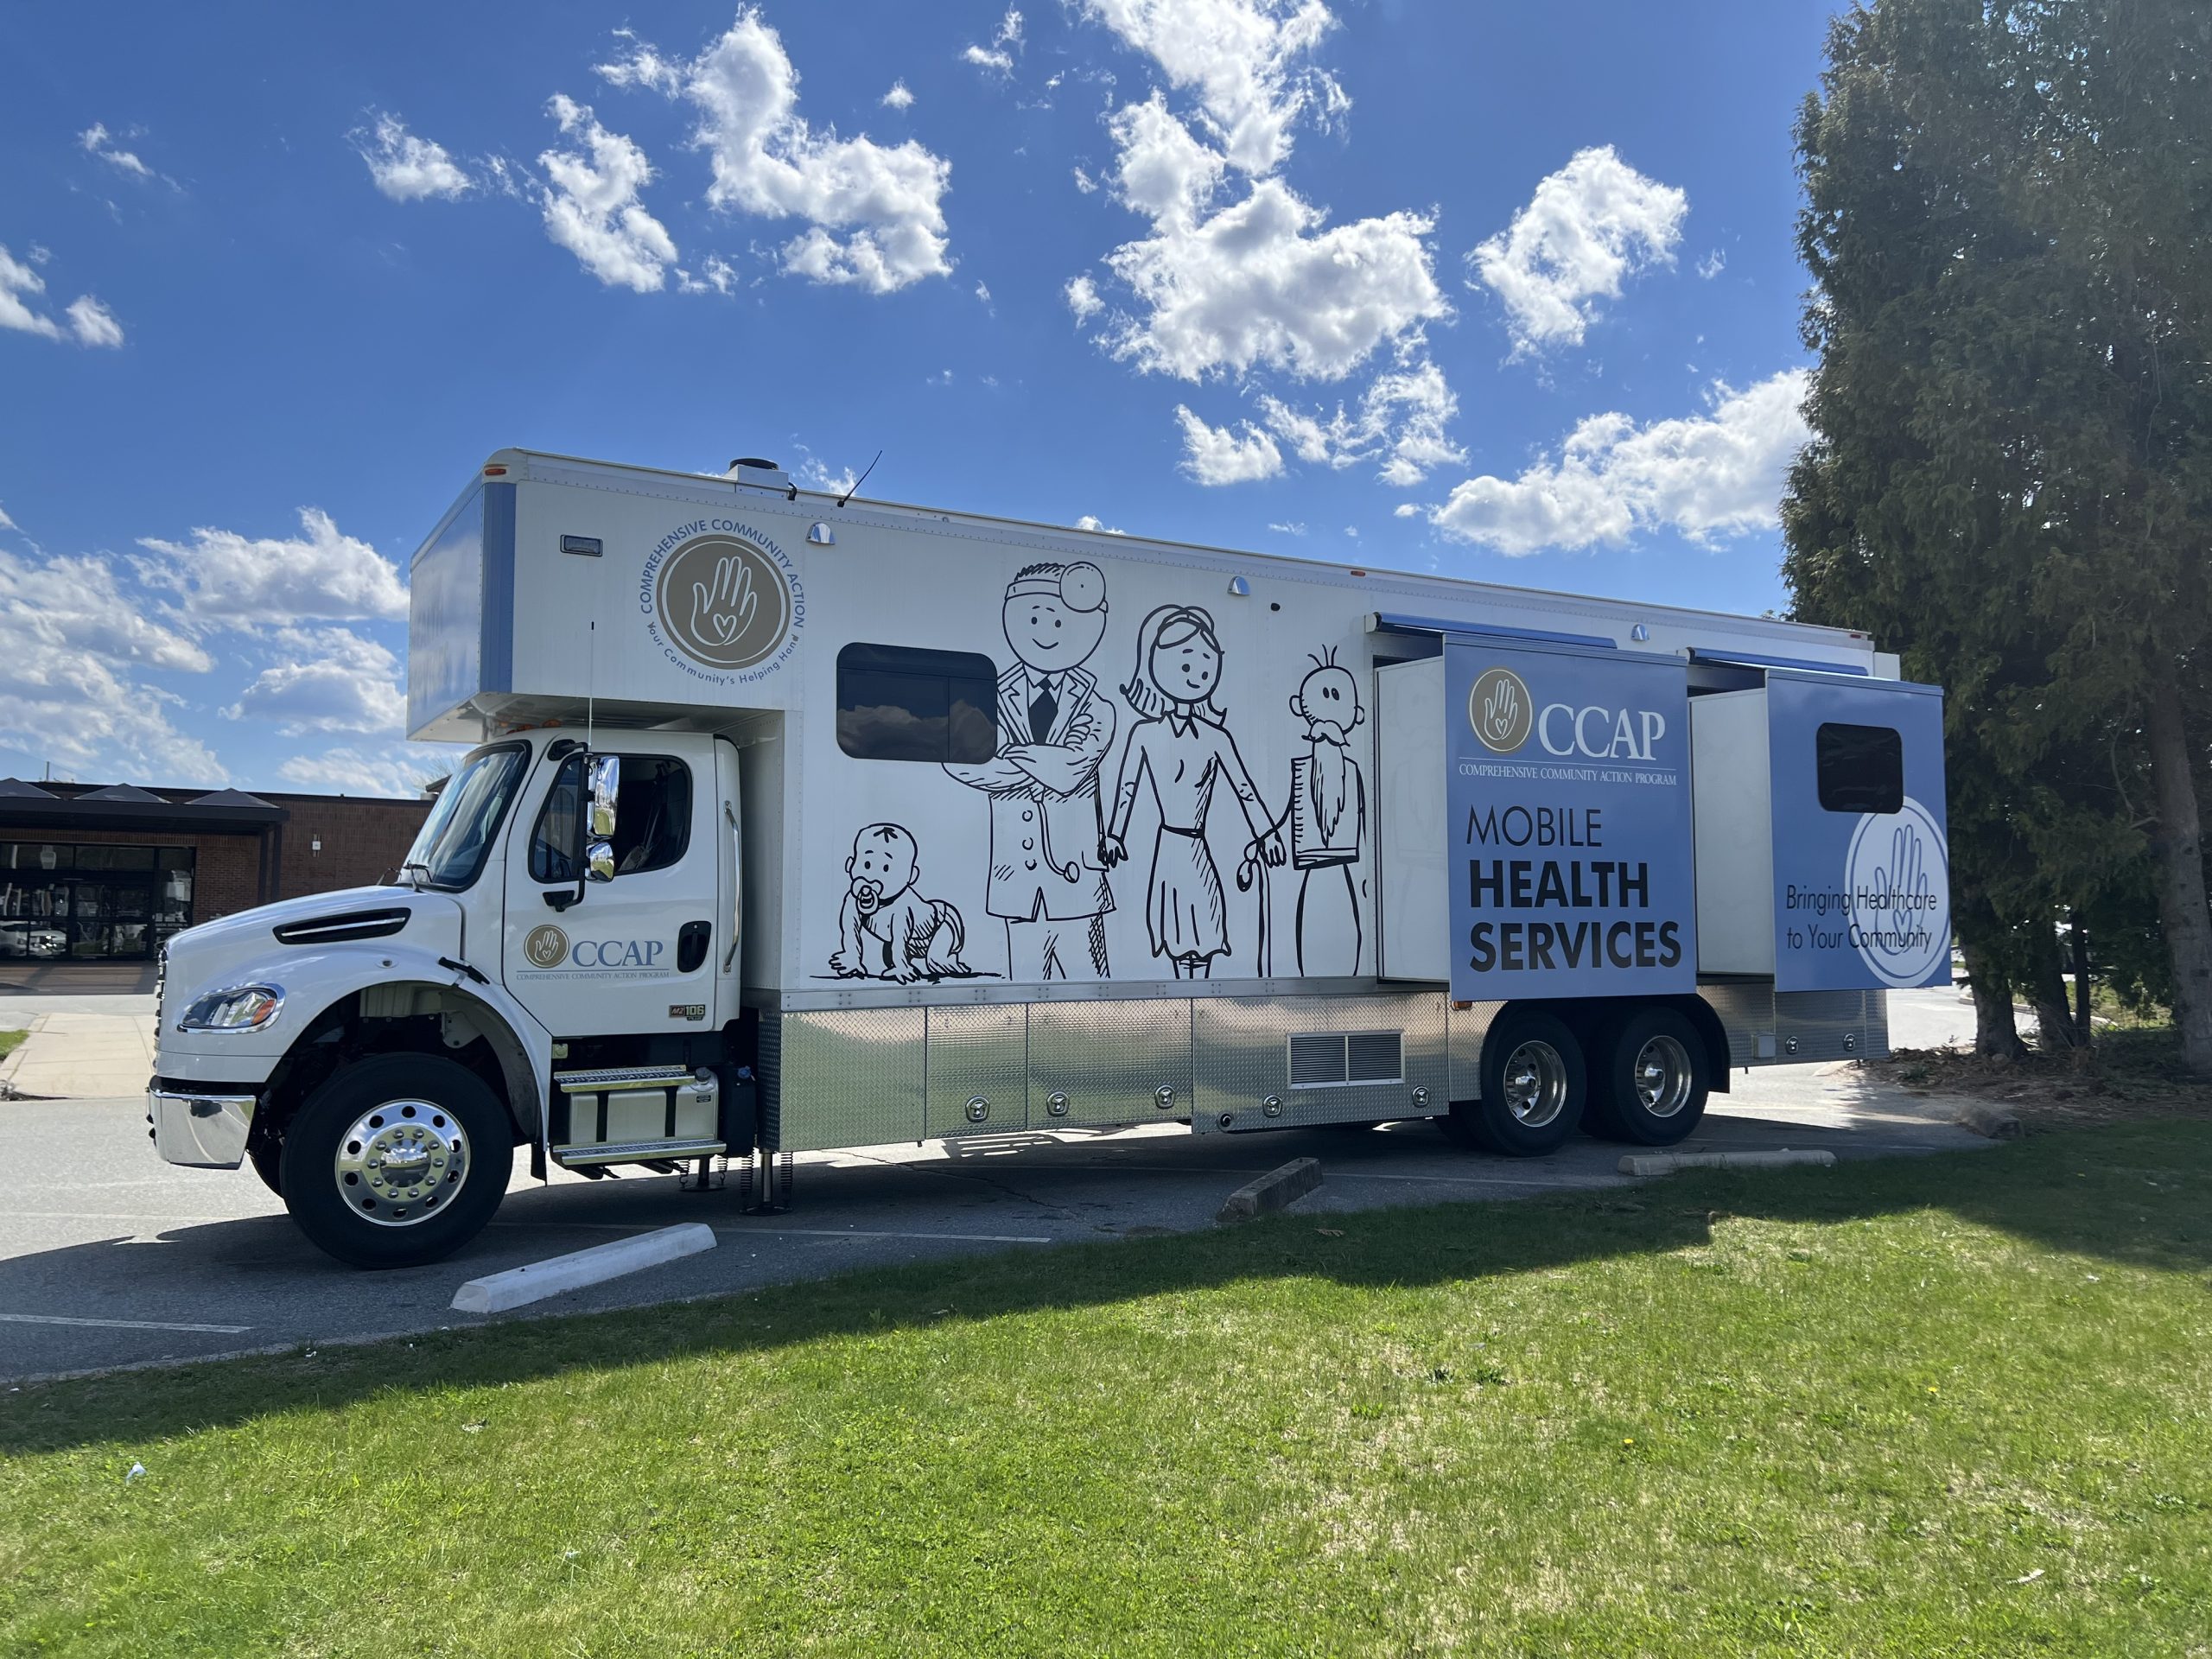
(635, 1151)
(622, 1112)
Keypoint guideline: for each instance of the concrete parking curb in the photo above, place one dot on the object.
(535, 1282)
(1666, 1163)
(1273, 1190)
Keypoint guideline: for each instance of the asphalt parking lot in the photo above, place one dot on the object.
(109, 1257)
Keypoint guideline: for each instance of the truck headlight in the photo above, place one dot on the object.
(240, 1007)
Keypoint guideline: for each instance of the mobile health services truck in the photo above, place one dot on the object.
(794, 822)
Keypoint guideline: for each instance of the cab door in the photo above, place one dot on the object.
(639, 951)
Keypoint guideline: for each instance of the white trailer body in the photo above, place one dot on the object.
(930, 824)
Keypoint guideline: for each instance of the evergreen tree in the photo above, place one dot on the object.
(2007, 211)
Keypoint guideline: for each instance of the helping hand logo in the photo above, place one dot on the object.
(1898, 873)
(1500, 710)
(722, 602)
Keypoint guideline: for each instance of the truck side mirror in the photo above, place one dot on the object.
(603, 773)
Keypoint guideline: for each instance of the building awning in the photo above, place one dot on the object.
(226, 811)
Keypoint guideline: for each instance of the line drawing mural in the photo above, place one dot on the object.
(1182, 742)
(1328, 820)
(887, 931)
(1045, 883)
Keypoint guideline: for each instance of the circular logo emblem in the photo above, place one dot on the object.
(1899, 877)
(1500, 710)
(722, 602)
(546, 946)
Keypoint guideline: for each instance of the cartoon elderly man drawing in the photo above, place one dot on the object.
(1054, 728)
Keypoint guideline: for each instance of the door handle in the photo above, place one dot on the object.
(691, 945)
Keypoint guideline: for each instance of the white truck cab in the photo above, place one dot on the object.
(401, 1035)
(789, 822)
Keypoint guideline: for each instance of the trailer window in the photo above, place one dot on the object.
(653, 818)
(899, 702)
(1860, 768)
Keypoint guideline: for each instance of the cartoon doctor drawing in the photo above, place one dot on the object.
(1054, 730)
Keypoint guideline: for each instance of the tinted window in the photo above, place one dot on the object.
(896, 703)
(1861, 768)
(653, 818)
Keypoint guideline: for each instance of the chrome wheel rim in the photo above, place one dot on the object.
(1534, 1084)
(401, 1163)
(1662, 1076)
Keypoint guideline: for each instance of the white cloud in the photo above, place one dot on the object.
(398, 770)
(332, 680)
(1296, 528)
(1084, 182)
(96, 140)
(1707, 476)
(898, 97)
(1214, 455)
(93, 323)
(1240, 57)
(1261, 284)
(874, 212)
(228, 580)
(983, 292)
(998, 56)
(1091, 521)
(1712, 264)
(6, 522)
(1400, 421)
(409, 168)
(1082, 299)
(1164, 172)
(72, 644)
(90, 323)
(1589, 224)
(591, 207)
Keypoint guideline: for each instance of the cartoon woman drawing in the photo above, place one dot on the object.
(1181, 743)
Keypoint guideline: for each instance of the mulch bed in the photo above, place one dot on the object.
(2129, 1076)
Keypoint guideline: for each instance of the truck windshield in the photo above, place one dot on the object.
(456, 838)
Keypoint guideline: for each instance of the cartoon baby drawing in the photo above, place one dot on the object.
(884, 928)
(1328, 820)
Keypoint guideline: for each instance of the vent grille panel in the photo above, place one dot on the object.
(1374, 1057)
(1317, 1057)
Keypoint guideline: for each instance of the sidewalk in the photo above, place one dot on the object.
(78, 1053)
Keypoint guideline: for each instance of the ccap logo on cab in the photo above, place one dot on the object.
(546, 946)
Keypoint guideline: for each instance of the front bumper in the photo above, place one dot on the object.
(199, 1131)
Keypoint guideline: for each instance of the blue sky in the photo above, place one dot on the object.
(1501, 291)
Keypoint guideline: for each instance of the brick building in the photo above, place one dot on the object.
(106, 874)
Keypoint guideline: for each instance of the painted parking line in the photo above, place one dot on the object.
(740, 1230)
(125, 1325)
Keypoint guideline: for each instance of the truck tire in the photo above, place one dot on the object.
(1534, 1088)
(1649, 1084)
(397, 1160)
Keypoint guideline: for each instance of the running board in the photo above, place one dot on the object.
(635, 1151)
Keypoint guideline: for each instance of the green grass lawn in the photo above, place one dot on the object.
(1956, 1405)
(11, 1041)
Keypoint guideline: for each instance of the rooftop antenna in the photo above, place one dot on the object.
(857, 482)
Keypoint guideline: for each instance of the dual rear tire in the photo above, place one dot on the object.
(1645, 1080)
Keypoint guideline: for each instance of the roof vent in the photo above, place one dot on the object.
(763, 474)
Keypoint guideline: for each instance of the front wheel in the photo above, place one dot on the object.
(1651, 1077)
(1533, 1084)
(397, 1160)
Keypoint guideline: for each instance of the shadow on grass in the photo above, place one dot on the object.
(2134, 1194)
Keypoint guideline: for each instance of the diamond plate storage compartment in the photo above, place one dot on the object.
(978, 1069)
(1098, 1064)
(850, 1077)
(1271, 1063)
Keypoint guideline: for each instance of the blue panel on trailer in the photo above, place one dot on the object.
(497, 643)
(445, 626)
(1572, 871)
(1395, 623)
(1803, 664)
(1862, 896)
